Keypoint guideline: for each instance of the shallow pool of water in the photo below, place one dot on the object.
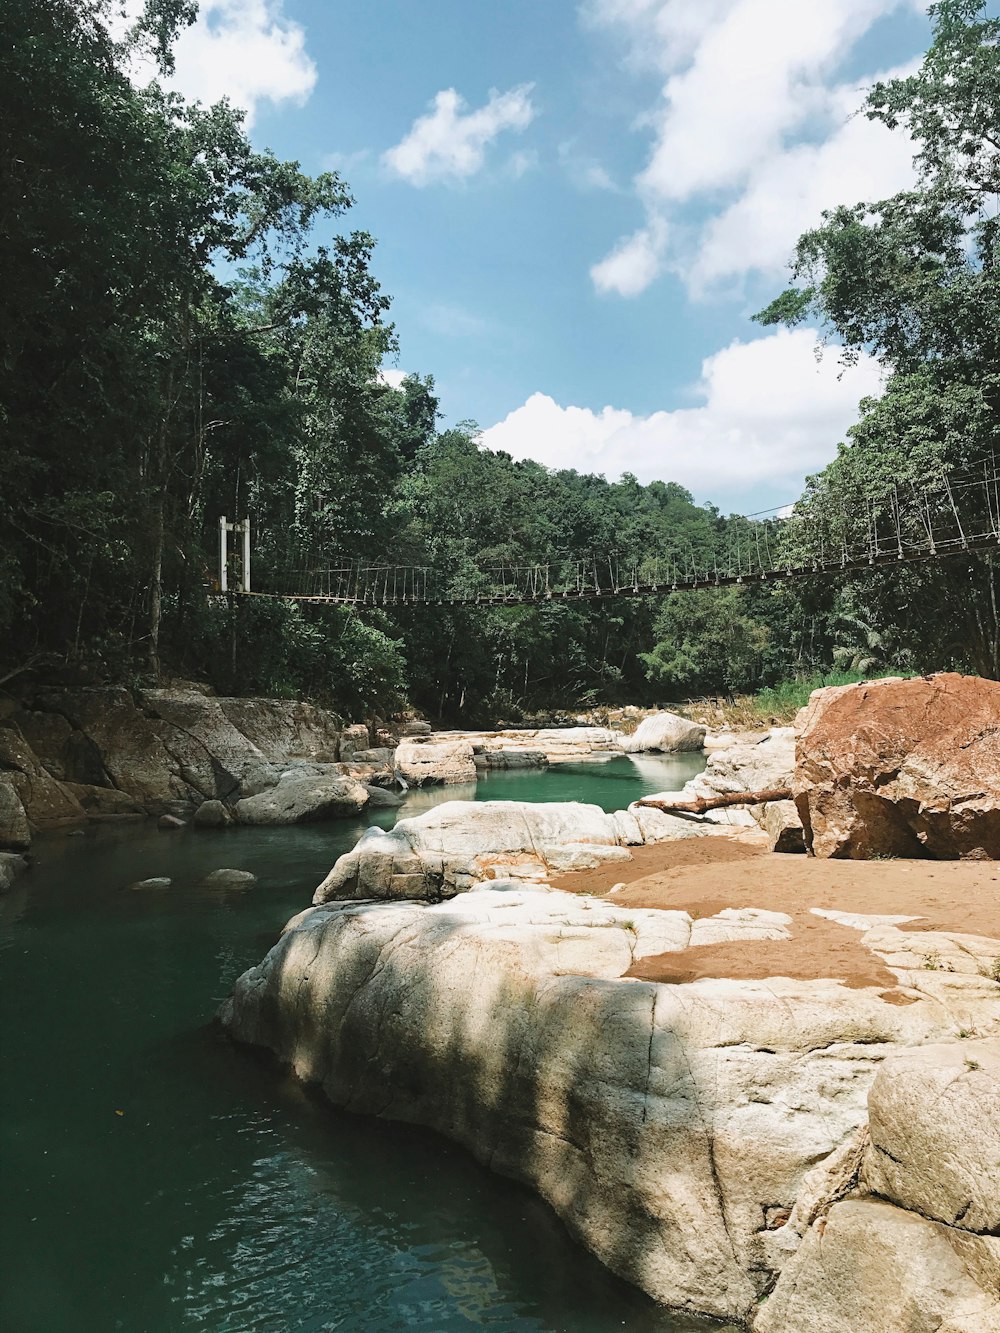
(155, 1178)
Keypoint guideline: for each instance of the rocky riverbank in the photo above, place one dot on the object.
(76, 755)
(765, 1089)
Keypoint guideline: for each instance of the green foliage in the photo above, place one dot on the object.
(707, 643)
(185, 332)
(913, 280)
(790, 695)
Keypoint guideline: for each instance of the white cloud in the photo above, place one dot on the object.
(392, 377)
(245, 50)
(634, 262)
(751, 122)
(787, 193)
(770, 414)
(450, 142)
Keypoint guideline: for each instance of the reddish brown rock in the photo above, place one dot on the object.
(901, 768)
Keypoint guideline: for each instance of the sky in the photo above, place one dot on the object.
(578, 205)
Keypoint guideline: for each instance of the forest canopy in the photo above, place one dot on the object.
(188, 328)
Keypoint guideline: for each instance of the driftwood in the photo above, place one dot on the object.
(703, 803)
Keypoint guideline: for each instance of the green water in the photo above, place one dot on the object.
(155, 1178)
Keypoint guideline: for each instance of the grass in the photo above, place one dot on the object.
(776, 704)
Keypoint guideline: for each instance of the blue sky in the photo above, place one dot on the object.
(579, 203)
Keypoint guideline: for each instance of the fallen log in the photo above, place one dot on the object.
(701, 804)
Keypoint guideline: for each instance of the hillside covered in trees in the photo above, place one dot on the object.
(188, 327)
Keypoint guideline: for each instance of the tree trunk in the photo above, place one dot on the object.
(702, 803)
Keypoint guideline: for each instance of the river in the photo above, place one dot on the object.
(156, 1178)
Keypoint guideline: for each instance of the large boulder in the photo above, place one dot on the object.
(133, 754)
(672, 1127)
(420, 762)
(12, 864)
(667, 733)
(284, 729)
(354, 740)
(301, 800)
(454, 846)
(902, 768)
(934, 1120)
(15, 831)
(868, 1267)
(46, 802)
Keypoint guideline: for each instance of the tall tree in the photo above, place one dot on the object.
(914, 281)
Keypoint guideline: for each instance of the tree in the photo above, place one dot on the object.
(914, 281)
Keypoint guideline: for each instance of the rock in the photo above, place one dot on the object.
(903, 768)
(157, 882)
(415, 728)
(421, 762)
(62, 749)
(667, 733)
(104, 802)
(381, 758)
(174, 745)
(669, 1126)
(780, 821)
(750, 762)
(227, 878)
(353, 739)
(11, 865)
(283, 729)
(169, 823)
(380, 799)
(15, 832)
(298, 800)
(934, 1121)
(868, 1267)
(453, 846)
(212, 814)
(46, 802)
(544, 745)
(507, 757)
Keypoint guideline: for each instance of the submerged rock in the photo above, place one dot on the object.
(212, 814)
(11, 865)
(380, 799)
(157, 882)
(170, 823)
(226, 878)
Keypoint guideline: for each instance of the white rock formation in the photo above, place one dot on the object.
(674, 1128)
(751, 763)
(667, 733)
(524, 747)
(424, 762)
(934, 1121)
(461, 843)
(868, 1267)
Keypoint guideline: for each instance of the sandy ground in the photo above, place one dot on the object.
(704, 875)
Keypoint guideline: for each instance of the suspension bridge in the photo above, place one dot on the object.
(955, 515)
